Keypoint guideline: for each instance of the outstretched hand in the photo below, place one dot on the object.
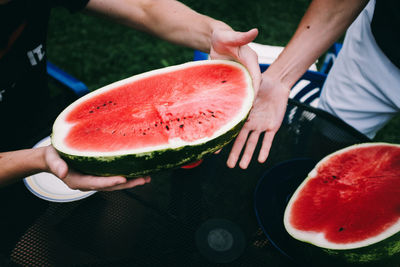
(75, 180)
(266, 116)
(229, 44)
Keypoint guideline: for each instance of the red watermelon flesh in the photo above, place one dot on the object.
(153, 110)
(355, 195)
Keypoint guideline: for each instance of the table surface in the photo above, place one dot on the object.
(184, 217)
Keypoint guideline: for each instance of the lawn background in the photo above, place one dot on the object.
(99, 52)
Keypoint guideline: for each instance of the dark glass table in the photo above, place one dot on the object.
(203, 216)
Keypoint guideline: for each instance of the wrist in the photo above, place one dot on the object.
(39, 160)
(272, 79)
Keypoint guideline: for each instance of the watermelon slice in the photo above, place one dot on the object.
(349, 205)
(156, 120)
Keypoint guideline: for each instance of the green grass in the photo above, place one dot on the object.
(99, 52)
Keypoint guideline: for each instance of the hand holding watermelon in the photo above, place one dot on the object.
(229, 44)
(22, 163)
(76, 180)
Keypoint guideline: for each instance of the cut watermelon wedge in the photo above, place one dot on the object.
(156, 120)
(349, 205)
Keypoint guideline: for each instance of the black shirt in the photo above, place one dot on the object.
(24, 94)
(24, 99)
(385, 27)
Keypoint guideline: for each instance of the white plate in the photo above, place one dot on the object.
(48, 187)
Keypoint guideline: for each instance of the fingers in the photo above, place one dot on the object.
(250, 139)
(239, 38)
(249, 150)
(249, 59)
(88, 182)
(130, 184)
(237, 147)
(56, 165)
(246, 37)
(265, 147)
(218, 151)
(75, 180)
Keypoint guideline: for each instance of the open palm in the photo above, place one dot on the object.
(265, 117)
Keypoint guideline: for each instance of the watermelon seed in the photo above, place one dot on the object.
(98, 107)
(223, 81)
(341, 229)
(155, 124)
(181, 126)
(199, 122)
(144, 133)
(178, 119)
(334, 177)
(91, 111)
(104, 104)
(167, 127)
(213, 116)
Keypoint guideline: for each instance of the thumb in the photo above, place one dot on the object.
(56, 165)
(239, 38)
(61, 169)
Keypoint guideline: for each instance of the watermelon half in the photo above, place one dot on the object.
(156, 120)
(349, 205)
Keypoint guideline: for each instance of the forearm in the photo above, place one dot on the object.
(18, 164)
(167, 19)
(323, 23)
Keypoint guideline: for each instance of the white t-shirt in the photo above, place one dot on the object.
(363, 86)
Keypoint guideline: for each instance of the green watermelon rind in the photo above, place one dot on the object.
(141, 164)
(385, 250)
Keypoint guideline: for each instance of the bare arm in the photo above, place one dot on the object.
(173, 21)
(19, 164)
(168, 19)
(323, 23)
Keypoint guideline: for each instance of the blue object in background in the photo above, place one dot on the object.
(198, 55)
(78, 87)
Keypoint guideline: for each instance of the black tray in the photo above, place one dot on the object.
(272, 194)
